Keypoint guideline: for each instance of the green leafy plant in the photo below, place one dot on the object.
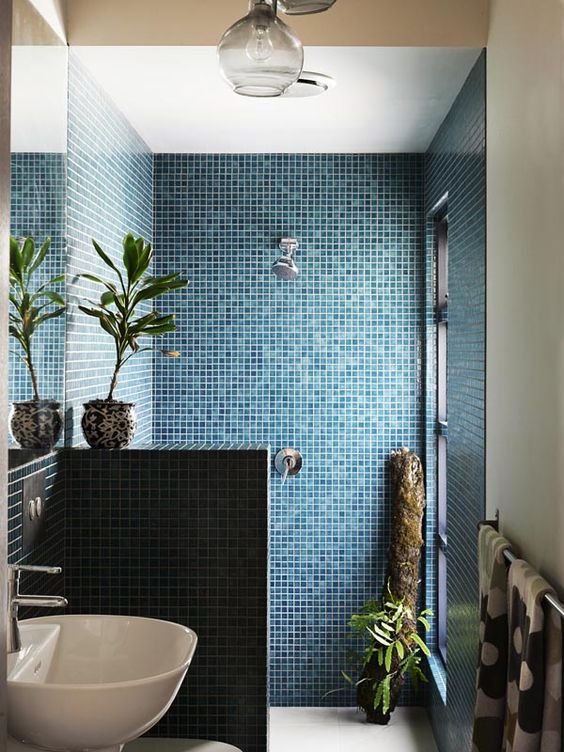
(31, 307)
(388, 630)
(118, 308)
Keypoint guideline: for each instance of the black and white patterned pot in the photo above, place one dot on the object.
(109, 425)
(36, 424)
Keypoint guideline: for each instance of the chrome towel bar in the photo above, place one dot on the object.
(511, 557)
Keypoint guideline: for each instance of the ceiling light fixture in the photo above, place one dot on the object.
(310, 84)
(304, 7)
(260, 56)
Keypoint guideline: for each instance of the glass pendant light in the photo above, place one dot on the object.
(259, 56)
(302, 7)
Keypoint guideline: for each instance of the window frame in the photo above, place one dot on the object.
(441, 423)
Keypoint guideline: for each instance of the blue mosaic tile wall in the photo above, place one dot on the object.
(110, 192)
(455, 164)
(38, 193)
(329, 364)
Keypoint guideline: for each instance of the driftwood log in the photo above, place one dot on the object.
(402, 577)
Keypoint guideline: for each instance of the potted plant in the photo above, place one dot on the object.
(35, 423)
(108, 423)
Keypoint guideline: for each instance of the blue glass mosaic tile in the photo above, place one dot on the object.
(330, 364)
(110, 184)
(456, 165)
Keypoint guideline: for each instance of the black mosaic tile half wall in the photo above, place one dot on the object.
(181, 536)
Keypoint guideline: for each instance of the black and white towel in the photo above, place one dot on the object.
(534, 692)
(491, 689)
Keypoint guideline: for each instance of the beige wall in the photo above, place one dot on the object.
(525, 411)
(440, 23)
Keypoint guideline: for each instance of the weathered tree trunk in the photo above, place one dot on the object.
(402, 577)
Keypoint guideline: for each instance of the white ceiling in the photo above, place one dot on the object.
(39, 98)
(386, 99)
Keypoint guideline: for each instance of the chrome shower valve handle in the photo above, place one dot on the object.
(288, 461)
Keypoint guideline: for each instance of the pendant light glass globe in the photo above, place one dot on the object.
(303, 7)
(259, 56)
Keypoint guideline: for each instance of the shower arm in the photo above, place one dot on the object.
(289, 246)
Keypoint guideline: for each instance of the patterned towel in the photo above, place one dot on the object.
(489, 713)
(534, 694)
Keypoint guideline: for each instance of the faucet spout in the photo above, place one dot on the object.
(40, 601)
(17, 600)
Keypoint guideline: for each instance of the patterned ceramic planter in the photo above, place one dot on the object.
(36, 424)
(109, 425)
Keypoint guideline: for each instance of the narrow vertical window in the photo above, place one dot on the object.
(442, 428)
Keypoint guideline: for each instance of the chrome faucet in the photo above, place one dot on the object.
(16, 599)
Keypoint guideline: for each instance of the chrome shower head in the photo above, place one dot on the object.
(285, 267)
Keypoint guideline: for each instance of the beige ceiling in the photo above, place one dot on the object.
(386, 23)
(29, 26)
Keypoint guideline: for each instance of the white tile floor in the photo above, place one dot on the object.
(344, 730)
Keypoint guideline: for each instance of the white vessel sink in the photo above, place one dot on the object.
(85, 683)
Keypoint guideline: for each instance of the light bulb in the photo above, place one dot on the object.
(259, 56)
(260, 47)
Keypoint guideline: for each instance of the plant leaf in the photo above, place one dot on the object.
(160, 280)
(15, 302)
(156, 331)
(154, 291)
(101, 316)
(107, 298)
(16, 259)
(40, 256)
(379, 638)
(386, 694)
(107, 327)
(347, 678)
(389, 655)
(47, 316)
(415, 637)
(376, 629)
(54, 297)
(108, 285)
(378, 695)
(131, 255)
(15, 332)
(104, 256)
(425, 623)
(28, 252)
(53, 281)
(145, 258)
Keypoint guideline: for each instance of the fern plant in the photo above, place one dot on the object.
(31, 307)
(388, 630)
(117, 311)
